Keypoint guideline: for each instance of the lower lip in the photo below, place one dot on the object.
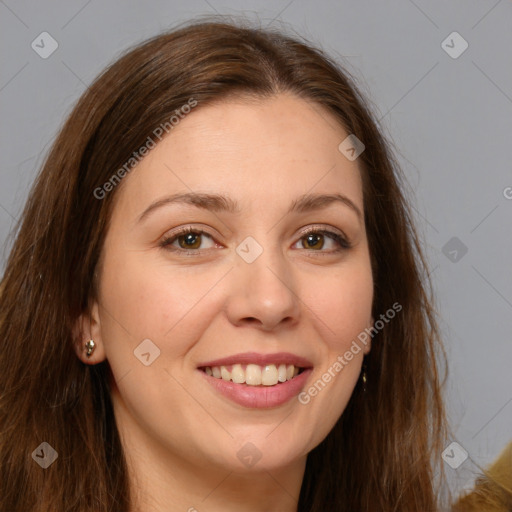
(260, 397)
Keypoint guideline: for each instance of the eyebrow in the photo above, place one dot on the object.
(219, 203)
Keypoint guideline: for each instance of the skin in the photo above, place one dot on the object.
(181, 437)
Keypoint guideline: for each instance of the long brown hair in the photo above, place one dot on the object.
(383, 452)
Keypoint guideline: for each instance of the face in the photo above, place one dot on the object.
(275, 291)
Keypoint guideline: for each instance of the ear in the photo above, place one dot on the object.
(88, 327)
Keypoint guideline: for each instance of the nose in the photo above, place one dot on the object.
(263, 292)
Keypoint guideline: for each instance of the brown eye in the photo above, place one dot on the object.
(188, 239)
(317, 239)
(313, 241)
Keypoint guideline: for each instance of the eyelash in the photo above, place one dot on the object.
(342, 242)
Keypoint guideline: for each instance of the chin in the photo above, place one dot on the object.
(256, 453)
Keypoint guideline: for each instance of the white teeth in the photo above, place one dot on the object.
(282, 373)
(224, 373)
(269, 375)
(238, 374)
(253, 374)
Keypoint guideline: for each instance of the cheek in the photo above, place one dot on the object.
(144, 300)
(172, 308)
(342, 305)
(342, 302)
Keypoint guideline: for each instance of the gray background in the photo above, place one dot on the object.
(450, 120)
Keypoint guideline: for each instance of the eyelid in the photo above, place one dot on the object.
(315, 228)
(194, 228)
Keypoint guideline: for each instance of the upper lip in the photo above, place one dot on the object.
(260, 359)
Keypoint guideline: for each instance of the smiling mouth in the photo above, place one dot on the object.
(253, 374)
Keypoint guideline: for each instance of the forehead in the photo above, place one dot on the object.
(263, 152)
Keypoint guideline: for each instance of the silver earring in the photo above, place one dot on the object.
(90, 346)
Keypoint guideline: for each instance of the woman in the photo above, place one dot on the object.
(217, 299)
